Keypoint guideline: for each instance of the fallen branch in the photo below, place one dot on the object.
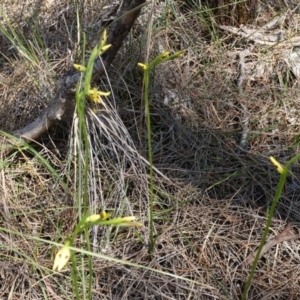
(281, 237)
(128, 13)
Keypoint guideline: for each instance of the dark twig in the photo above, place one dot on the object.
(128, 13)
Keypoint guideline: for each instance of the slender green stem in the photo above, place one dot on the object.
(164, 57)
(269, 221)
(151, 189)
(74, 276)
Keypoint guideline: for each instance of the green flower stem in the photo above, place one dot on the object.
(278, 193)
(151, 183)
(146, 81)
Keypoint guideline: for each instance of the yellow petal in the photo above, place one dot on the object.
(104, 215)
(93, 92)
(165, 54)
(128, 219)
(278, 166)
(79, 68)
(104, 48)
(104, 37)
(100, 93)
(93, 218)
(94, 95)
(96, 99)
(143, 66)
(62, 257)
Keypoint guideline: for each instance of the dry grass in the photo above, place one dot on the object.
(218, 113)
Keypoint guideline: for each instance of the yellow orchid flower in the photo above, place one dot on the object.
(278, 166)
(62, 257)
(95, 95)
